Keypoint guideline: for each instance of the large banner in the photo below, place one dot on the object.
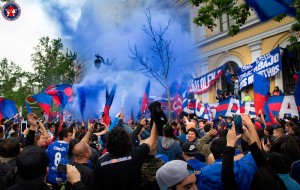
(279, 105)
(203, 83)
(268, 65)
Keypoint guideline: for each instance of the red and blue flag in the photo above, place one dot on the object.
(8, 108)
(109, 101)
(261, 95)
(145, 99)
(44, 100)
(275, 103)
(61, 94)
(222, 108)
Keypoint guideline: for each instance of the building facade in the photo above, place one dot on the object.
(216, 48)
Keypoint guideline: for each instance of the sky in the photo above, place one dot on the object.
(92, 27)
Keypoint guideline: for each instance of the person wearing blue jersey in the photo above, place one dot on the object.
(55, 152)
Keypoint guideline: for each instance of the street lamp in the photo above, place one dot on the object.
(98, 61)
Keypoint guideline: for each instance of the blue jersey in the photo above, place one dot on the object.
(56, 151)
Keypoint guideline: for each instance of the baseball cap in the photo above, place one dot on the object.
(32, 163)
(189, 148)
(172, 173)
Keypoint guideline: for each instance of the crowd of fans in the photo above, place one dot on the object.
(188, 154)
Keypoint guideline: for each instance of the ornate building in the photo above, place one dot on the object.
(216, 48)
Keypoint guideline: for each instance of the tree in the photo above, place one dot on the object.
(12, 82)
(51, 64)
(209, 11)
(162, 56)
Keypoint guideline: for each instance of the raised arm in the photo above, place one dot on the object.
(227, 175)
(151, 141)
(247, 121)
(88, 133)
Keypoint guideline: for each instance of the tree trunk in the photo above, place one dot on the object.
(169, 103)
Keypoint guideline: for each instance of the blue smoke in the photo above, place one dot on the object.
(108, 28)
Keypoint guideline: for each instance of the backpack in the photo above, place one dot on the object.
(7, 174)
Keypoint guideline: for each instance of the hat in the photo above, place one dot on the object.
(172, 173)
(189, 148)
(32, 163)
(257, 125)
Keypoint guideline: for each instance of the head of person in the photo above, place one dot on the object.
(278, 132)
(207, 127)
(14, 134)
(174, 125)
(16, 127)
(189, 150)
(202, 124)
(192, 134)
(65, 135)
(246, 93)
(176, 175)
(182, 128)
(81, 152)
(40, 140)
(32, 164)
(118, 142)
(52, 128)
(72, 144)
(168, 131)
(276, 88)
(269, 130)
(266, 178)
(221, 125)
(10, 147)
(217, 147)
(287, 146)
(293, 128)
(190, 125)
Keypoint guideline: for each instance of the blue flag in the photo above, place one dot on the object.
(267, 9)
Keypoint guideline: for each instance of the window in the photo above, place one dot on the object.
(231, 66)
(290, 65)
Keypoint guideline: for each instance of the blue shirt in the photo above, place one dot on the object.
(56, 151)
(244, 169)
(197, 165)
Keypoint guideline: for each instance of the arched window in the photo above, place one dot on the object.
(231, 66)
(290, 65)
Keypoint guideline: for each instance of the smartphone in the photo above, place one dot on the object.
(62, 168)
(24, 125)
(238, 124)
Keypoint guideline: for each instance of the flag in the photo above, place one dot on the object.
(261, 94)
(108, 104)
(61, 94)
(275, 103)
(44, 100)
(8, 108)
(222, 108)
(267, 9)
(132, 116)
(28, 107)
(145, 99)
(297, 94)
(82, 100)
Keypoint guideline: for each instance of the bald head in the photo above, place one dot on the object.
(190, 125)
(81, 152)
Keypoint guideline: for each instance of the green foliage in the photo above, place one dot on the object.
(12, 85)
(214, 9)
(211, 10)
(51, 64)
